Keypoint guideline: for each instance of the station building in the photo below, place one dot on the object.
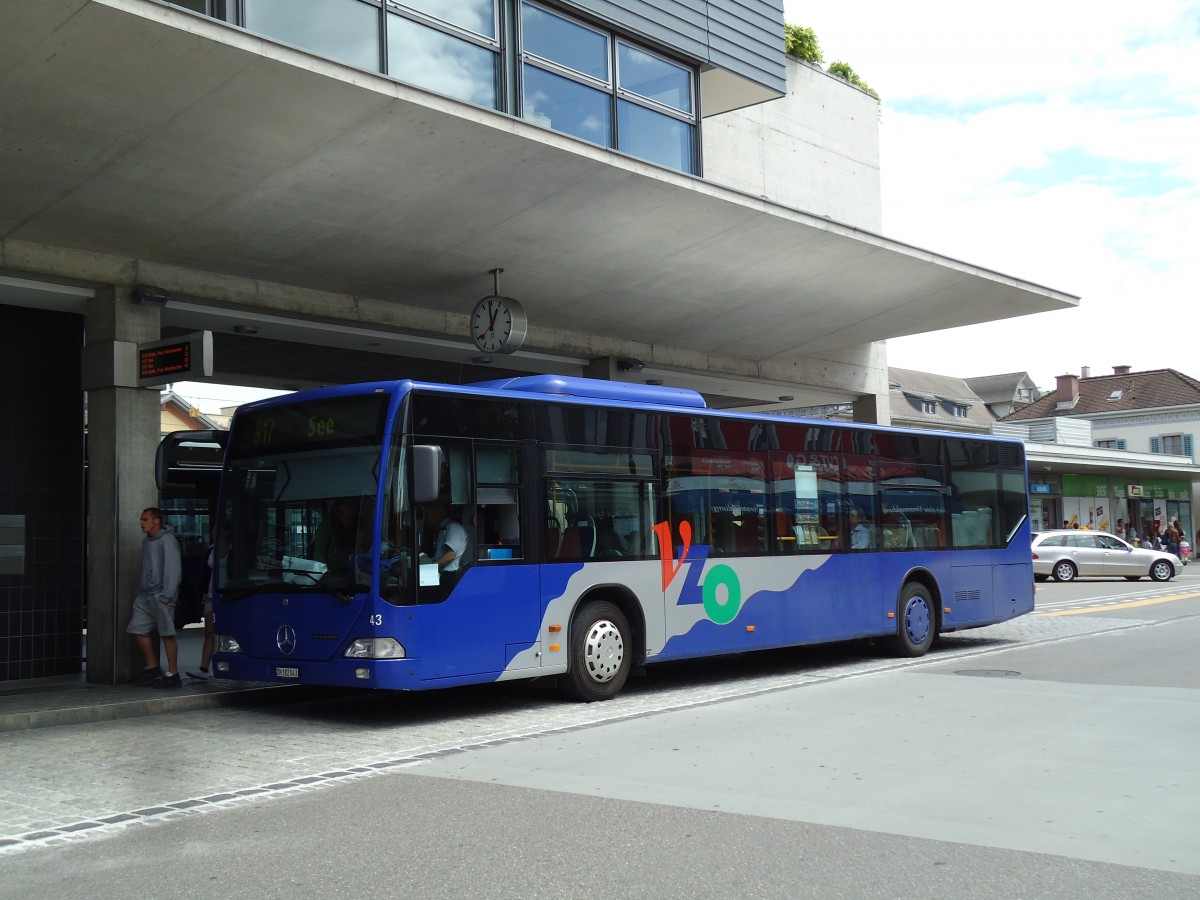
(329, 187)
(1111, 447)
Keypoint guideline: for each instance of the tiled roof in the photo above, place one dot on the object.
(1138, 391)
(942, 389)
(999, 388)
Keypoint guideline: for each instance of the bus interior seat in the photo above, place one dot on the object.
(897, 535)
(579, 540)
(608, 543)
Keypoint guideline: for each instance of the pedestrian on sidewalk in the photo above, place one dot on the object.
(154, 604)
(210, 640)
(216, 558)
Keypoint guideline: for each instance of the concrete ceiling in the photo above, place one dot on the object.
(141, 132)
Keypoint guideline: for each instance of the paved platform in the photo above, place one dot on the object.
(71, 700)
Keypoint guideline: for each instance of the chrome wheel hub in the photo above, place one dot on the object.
(603, 651)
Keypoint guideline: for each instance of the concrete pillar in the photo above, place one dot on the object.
(874, 409)
(604, 368)
(123, 432)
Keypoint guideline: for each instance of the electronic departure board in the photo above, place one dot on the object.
(175, 359)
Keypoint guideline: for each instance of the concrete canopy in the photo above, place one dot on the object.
(145, 133)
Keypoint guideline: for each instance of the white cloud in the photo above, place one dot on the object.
(1052, 141)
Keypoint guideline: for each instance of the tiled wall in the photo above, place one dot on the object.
(42, 488)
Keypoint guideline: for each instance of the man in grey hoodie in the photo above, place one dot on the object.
(154, 605)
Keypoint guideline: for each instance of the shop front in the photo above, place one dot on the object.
(1099, 502)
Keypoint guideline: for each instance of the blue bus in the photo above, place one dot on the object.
(601, 526)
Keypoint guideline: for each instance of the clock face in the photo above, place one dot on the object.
(498, 325)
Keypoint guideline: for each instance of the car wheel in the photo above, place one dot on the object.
(1064, 571)
(1162, 571)
(601, 652)
(916, 624)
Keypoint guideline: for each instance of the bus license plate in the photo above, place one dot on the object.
(287, 672)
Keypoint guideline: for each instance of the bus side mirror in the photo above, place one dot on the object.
(427, 467)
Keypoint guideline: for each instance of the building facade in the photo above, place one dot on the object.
(1113, 447)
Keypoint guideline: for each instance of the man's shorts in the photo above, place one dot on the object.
(150, 613)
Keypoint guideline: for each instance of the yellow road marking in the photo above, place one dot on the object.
(1108, 607)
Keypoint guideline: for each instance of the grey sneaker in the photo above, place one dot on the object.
(199, 674)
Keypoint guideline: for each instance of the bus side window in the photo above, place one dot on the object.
(497, 527)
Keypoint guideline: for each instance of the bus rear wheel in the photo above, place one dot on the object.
(916, 625)
(601, 652)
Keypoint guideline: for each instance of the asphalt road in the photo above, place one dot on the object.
(1054, 756)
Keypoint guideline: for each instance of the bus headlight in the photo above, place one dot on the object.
(227, 643)
(375, 648)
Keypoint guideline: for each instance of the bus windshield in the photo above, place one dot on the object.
(299, 494)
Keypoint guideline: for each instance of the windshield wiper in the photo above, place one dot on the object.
(333, 584)
(242, 593)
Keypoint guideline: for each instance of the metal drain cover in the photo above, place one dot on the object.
(988, 673)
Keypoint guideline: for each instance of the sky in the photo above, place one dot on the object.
(1053, 141)
(210, 397)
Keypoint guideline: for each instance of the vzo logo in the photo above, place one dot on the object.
(721, 592)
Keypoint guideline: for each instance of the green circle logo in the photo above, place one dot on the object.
(722, 611)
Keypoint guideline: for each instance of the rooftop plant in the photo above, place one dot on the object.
(843, 71)
(802, 43)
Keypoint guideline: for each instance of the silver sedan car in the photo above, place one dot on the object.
(1067, 555)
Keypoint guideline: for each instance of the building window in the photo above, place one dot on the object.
(564, 74)
(929, 406)
(654, 109)
(343, 30)
(1172, 444)
(204, 7)
(567, 84)
(475, 16)
(960, 412)
(460, 65)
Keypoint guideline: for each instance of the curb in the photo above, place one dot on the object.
(86, 713)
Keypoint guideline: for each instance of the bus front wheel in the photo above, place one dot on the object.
(601, 652)
(916, 624)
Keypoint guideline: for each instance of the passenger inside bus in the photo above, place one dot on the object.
(861, 537)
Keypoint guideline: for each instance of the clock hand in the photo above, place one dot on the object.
(492, 322)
